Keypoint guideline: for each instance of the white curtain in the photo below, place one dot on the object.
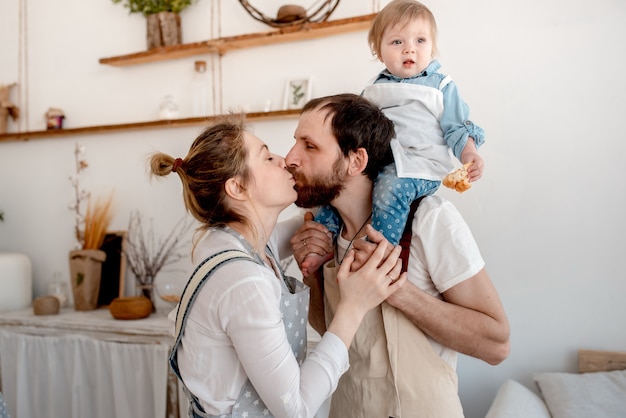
(74, 376)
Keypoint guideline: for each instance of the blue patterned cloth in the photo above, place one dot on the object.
(4, 412)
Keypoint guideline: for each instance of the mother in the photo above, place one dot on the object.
(241, 350)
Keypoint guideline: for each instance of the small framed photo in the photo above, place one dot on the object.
(297, 93)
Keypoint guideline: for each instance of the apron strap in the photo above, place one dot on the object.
(200, 275)
(202, 272)
(405, 240)
(446, 80)
(192, 288)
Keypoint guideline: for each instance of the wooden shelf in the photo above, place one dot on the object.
(157, 124)
(214, 46)
(223, 45)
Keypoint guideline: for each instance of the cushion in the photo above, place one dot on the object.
(515, 400)
(597, 394)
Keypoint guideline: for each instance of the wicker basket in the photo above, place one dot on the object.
(136, 307)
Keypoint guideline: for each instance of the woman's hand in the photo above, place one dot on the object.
(311, 238)
(364, 249)
(365, 288)
(371, 283)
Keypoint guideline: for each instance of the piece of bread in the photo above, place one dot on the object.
(457, 180)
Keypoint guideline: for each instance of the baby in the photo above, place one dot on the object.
(431, 120)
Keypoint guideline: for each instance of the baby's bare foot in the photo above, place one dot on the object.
(312, 262)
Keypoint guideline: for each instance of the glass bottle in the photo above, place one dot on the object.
(58, 287)
(199, 87)
(168, 108)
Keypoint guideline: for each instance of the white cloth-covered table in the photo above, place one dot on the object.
(85, 364)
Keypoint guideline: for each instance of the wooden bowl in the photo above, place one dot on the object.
(135, 307)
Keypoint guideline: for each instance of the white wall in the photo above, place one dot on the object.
(544, 78)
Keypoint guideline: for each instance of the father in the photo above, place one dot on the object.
(403, 358)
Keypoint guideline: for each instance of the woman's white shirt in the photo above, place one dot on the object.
(235, 332)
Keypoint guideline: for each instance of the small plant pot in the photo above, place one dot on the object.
(85, 272)
(163, 29)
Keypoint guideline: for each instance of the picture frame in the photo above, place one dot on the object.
(297, 93)
(112, 279)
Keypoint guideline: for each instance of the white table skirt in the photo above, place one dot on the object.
(84, 364)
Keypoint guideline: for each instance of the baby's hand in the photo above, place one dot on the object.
(470, 156)
(475, 169)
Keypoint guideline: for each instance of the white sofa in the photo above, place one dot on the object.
(598, 391)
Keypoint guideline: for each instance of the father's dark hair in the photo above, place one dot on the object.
(358, 123)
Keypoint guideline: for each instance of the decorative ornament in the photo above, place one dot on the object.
(289, 15)
(54, 118)
(7, 108)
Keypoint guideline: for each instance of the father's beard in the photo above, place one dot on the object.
(319, 190)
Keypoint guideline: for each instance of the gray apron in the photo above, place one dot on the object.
(294, 304)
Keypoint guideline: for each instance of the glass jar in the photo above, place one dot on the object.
(168, 108)
(58, 288)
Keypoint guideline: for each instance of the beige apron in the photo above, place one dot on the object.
(394, 371)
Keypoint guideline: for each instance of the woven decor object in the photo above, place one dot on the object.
(135, 307)
(289, 15)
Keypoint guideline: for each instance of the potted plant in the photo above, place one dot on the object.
(163, 19)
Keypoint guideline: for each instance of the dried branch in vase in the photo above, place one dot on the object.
(89, 228)
(97, 220)
(80, 195)
(146, 255)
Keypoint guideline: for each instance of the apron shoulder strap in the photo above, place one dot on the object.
(199, 276)
(446, 80)
(405, 240)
